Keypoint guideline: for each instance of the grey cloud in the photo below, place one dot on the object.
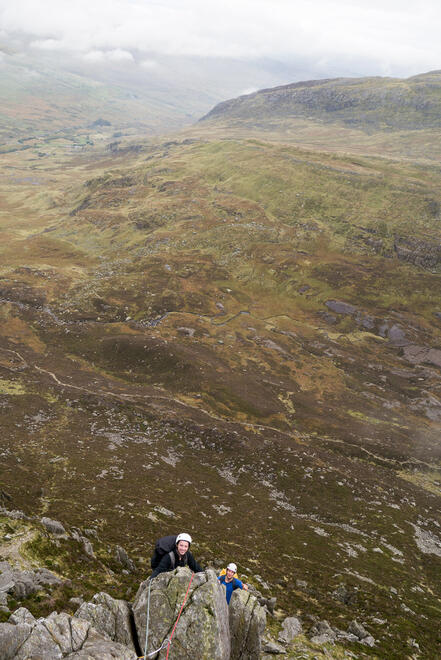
(396, 38)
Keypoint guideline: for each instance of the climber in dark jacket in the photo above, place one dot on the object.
(179, 556)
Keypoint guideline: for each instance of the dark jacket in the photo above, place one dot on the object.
(166, 563)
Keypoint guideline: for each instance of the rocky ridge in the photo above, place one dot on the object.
(109, 628)
(369, 103)
(106, 628)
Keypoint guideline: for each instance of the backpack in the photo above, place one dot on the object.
(163, 546)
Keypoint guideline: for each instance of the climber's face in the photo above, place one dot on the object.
(182, 547)
(230, 574)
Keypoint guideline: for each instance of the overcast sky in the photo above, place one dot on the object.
(346, 37)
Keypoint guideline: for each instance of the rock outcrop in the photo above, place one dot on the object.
(110, 617)
(203, 630)
(106, 628)
(291, 627)
(22, 584)
(418, 252)
(247, 623)
(57, 636)
(53, 526)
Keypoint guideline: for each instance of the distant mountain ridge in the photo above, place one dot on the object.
(368, 103)
(43, 94)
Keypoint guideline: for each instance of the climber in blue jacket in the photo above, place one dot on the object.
(230, 582)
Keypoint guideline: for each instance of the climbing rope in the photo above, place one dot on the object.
(147, 619)
(179, 616)
(152, 653)
(167, 642)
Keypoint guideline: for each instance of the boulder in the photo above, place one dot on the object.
(340, 307)
(273, 648)
(397, 336)
(415, 251)
(110, 617)
(203, 629)
(25, 584)
(6, 578)
(322, 633)
(57, 636)
(422, 355)
(44, 577)
(88, 547)
(291, 627)
(53, 526)
(123, 558)
(368, 641)
(15, 514)
(358, 630)
(22, 584)
(269, 603)
(345, 595)
(247, 624)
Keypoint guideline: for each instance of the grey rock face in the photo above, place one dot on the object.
(12, 638)
(203, 629)
(291, 627)
(22, 615)
(57, 636)
(247, 623)
(53, 526)
(110, 617)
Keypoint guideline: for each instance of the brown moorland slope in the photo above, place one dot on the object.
(241, 338)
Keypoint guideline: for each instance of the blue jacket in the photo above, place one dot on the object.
(230, 586)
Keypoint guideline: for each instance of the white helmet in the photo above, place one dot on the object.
(232, 567)
(183, 537)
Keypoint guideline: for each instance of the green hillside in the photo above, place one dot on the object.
(368, 103)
